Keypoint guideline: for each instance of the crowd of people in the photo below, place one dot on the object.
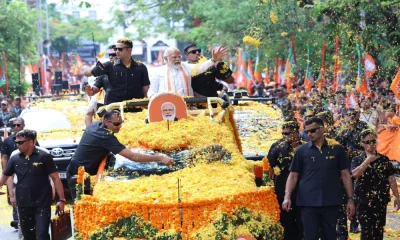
(331, 168)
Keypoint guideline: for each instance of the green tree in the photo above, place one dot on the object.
(18, 21)
(67, 31)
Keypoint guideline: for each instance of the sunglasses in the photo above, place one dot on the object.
(313, 130)
(119, 48)
(115, 123)
(287, 133)
(278, 90)
(20, 142)
(112, 55)
(351, 114)
(195, 51)
(369, 141)
(17, 125)
(3, 104)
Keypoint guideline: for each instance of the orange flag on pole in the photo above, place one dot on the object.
(395, 86)
(321, 76)
(351, 100)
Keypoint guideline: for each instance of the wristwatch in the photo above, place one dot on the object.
(62, 200)
(350, 198)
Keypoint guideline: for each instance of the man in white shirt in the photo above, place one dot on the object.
(369, 115)
(176, 76)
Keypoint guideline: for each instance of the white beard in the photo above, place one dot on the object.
(172, 118)
(174, 66)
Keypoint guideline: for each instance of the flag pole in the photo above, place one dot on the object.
(19, 67)
(94, 47)
(296, 78)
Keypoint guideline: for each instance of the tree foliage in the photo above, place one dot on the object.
(209, 22)
(18, 21)
(67, 31)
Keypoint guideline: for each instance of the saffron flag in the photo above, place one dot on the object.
(4, 73)
(336, 66)
(321, 76)
(241, 66)
(361, 81)
(395, 86)
(351, 100)
(290, 70)
(257, 71)
(308, 82)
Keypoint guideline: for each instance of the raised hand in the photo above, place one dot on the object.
(218, 54)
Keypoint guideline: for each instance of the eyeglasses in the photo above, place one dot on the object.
(17, 125)
(195, 51)
(115, 123)
(287, 133)
(119, 48)
(313, 130)
(112, 55)
(20, 142)
(369, 141)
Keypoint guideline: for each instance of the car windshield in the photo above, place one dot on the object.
(45, 120)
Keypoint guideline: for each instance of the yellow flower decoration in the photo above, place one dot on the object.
(349, 87)
(349, 33)
(277, 171)
(273, 17)
(252, 41)
(284, 34)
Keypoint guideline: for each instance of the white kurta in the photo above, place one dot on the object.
(159, 80)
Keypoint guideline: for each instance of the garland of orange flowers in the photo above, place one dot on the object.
(166, 216)
(79, 182)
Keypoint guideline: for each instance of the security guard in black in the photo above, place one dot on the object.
(319, 169)
(125, 83)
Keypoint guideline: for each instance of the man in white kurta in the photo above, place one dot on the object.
(176, 76)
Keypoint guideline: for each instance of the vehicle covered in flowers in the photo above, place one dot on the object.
(209, 193)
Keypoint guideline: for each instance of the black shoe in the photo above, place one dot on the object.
(14, 224)
(355, 230)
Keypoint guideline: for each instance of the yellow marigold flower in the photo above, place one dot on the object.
(277, 171)
(252, 41)
(349, 33)
(284, 34)
(349, 87)
(273, 17)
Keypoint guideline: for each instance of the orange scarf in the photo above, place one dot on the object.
(185, 76)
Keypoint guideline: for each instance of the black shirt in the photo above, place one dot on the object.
(33, 188)
(10, 146)
(124, 83)
(350, 138)
(205, 83)
(373, 185)
(280, 155)
(319, 174)
(96, 143)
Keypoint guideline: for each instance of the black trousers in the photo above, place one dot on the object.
(35, 220)
(372, 219)
(291, 222)
(320, 222)
(341, 227)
